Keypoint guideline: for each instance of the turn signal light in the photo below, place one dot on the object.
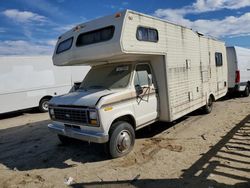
(93, 122)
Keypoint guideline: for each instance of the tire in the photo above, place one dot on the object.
(121, 139)
(44, 105)
(207, 109)
(64, 139)
(246, 92)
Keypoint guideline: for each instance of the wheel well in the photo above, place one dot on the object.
(212, 96)
(45, 97)
(128, 118)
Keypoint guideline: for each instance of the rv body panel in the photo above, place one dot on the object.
(189, 61)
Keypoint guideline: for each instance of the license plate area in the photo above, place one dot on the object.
(70, 127)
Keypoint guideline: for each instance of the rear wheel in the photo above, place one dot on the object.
(44, 105)
(246, 92)
(209, 106)
(122, 139)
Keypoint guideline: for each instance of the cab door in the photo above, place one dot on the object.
(146, 101)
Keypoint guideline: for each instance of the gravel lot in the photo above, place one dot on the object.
(196, 151)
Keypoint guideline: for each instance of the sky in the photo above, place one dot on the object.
(31, 27)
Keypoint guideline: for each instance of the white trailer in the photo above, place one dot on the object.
(238, 69)
(144, 69)
(31, 81)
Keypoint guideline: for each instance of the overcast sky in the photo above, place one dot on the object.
(30, 27)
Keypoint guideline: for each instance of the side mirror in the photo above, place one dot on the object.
(139, 89)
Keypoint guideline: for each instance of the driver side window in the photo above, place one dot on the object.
(142, 75)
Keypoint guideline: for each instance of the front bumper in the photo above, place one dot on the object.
(89, 136)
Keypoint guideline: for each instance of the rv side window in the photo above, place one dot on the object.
(64, 45)
(95, 36)
(218, 59)
(147, 34)
(142, 75)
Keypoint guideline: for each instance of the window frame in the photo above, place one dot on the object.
(148, 28)
(131, 67)
(66, 49)
(79, 44)
(133, 81)
(218, 59)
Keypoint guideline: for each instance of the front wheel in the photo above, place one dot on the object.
(44, 105)
(246, 92)
(207, 109)
(122, 139)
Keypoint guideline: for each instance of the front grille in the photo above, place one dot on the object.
(71, 115)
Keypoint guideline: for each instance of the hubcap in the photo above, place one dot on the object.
(45, 105)
(123, 141)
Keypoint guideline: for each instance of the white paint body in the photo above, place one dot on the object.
(182, 62)
(24, 81)
(238, 60)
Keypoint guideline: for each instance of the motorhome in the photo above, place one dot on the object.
(238, 59)
(143, 70)
(31, 81)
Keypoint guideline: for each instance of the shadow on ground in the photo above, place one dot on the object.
(220, 161)
(32, 146)
(161, 183)
(19, 113)
(233, 95)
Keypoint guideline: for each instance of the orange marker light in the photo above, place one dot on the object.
(93, 122)
(118, 15)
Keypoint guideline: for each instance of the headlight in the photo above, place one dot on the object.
(93, 118)
(51, 112)
(92, 115)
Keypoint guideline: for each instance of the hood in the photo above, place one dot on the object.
(80, 98)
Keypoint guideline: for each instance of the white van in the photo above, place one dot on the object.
(31, 81)
(238, 70)
(143, 70)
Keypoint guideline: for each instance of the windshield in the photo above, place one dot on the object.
(107, 77)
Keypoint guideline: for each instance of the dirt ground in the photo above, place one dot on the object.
(196, 151)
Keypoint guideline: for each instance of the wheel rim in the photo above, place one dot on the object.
(123, 141)
(45, 105)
